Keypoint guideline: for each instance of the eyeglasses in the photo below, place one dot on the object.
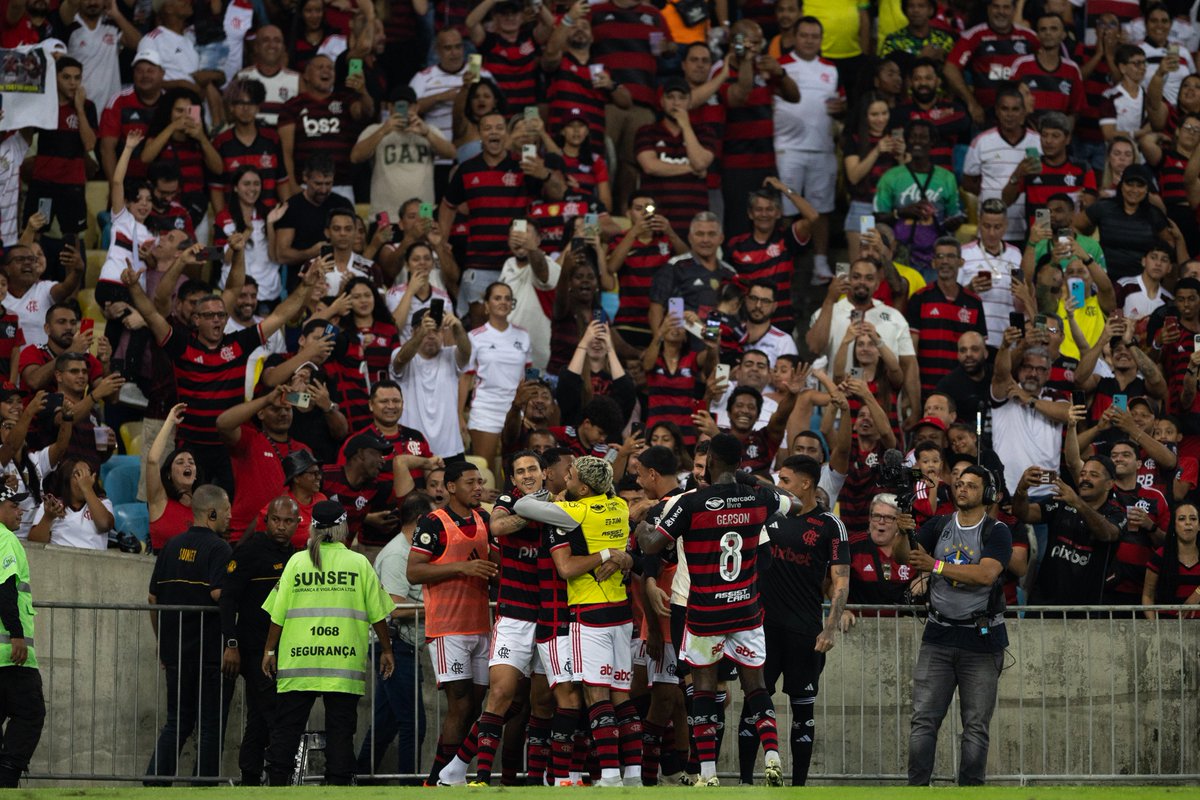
(758, 301)
(1190, 128)
(211, 314)
(883, 518)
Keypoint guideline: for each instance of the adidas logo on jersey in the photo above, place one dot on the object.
(868, 568)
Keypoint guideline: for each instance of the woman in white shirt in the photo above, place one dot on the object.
(28, 470)
(129, 230)
(82, 517)
(500, 353)
(245, 212)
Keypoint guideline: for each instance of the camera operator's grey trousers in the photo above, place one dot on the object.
(938, 672)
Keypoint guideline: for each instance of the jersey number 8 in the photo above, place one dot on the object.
(731, 556)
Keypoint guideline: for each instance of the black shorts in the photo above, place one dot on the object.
(793, 656)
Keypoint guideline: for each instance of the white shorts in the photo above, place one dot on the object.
(637, 652)
(460, 657)
(662, 671)
(472, 285)
(488, 412)
(554, 661)
(513, 644)
(748, 648)
(812, 174)
(600, 655)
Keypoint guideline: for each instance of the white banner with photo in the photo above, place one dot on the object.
(28, 88)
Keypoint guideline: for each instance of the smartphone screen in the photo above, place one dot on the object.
(402, 110)
(426, 211)
(355, 67)
(1121, 402)
(675, 308)
(712, 329)
(1078, 397)
(437, 309)
(194, 111)
(45, 205)
(1017, 321)
(533, 374)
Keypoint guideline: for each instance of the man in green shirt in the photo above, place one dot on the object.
(1043, 237)
(22, 706)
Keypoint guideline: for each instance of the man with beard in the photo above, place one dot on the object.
(514, 640)
(450, 560)
(533, 410)
(1085, 527)
(968, 383)
(761, 334)
(63, 335)
(767, 253)
(991, 266)
(422, 366)
(947, 115)
(251, 576)
(95, 39)
(1148, 518)
(300, 233)
(941, 313)
(744, 407)
(1026, 419)
(242, 316)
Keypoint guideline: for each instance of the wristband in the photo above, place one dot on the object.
(938, 566)
(605, 555)
(270, 652)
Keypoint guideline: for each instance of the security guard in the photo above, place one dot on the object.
(326, 599)
(189, 572)
(22, 707)
(253, 572)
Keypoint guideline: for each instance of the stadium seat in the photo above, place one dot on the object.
(97, 198)
(135, 446)
(489, 480)
(122, 483)
(114, 462)
(128, 431)
(133, 518)
(95, 261)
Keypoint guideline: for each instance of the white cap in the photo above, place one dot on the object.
(149, 55)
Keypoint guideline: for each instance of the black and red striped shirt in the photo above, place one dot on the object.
(636, 276)
(988, 56)
(621, 42)
(864, 190)
(719, 527)
(1058, 90)
(193, 181)
(322, 126)
(1135, 547)
(347, 368)
(1095, 105)
(265, 154)
(551, 217)
(571, 87)
(378, 342)
(679, 197)
(712, 116)
(1188, 581)
(862, 482)
(673, 395)
(1070, 177)
(209, 379)
(948, 117)
(375, 495)
(400, 24)
(61, 157)
(520, 578)
(939, 321)
(588, 172)
(126, 113)
(773, 261)
(494, 195)
(1169, 172)
(514, 67)
(749, 141)
(405, 441)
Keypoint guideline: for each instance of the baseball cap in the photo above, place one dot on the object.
(328, 513)
(9, 493)
(367, 441)
(934, 421)
(149, 55)
(674, 85)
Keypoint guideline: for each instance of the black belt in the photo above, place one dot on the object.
(944, 620)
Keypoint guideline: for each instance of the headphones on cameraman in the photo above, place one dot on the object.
(991, 492)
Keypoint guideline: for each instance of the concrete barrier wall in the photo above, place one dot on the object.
(1078, 698)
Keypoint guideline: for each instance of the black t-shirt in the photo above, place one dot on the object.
(802, 549)
(1125, 238)
(308, 220)
(253, 570)
(1076, 566)
(187, 570)
(969, 396)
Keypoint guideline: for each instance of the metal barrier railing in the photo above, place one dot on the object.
(1088, 694)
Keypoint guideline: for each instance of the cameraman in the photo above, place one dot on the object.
(965, 637)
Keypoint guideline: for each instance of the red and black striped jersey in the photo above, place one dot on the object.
(568, 437)
(1169, 172)
(939, 321)
(1188, 580)
(400, 24)
(1095, 105)
(803, 549)
(551, 220)
(588, 172)
(876, 577)
(712, 116)
(126, 113)
(988, 56)
(322, 126)
(61, 157)
(758, 450)
(378, 342)
(673, 394)
(862, 479)
(621, 42)
(571, 87)
(636, 276)
(554, 616)
(773, 261)
(172, 216)
(1135, 546)
(520, 576)
(679, 197)
(1060, 89)
(1070, 177)
(265, 154)
(948, 117)
(209, 379)
(864, 190)
(375, 495)
(347, 368)
(514, 67)
(193, 180)
(719, 527)
(749, 141)
(405, 441)
(494, 196)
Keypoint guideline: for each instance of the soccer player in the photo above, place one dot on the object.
(720, 527)
(589, 552)
(802, 547)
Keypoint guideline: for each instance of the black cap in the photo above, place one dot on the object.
(8, 392)
(367, 441)
(506, 7)
(297, 463)
(674, 85)
(1139, 172)
(328, 513)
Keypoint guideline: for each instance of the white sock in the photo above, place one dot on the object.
(454, 771)
(576, 777)
(772, 757)
(708, 769)
(610, 772)
(821, 260)
(633, 771)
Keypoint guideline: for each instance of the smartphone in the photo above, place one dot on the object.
(591, 225)
(528, 152)
(426, 211)
(1016, 320)
(1078, 291)
(1047, 476)
(531, 113)
(897, 133)
(637, 428)
(384, 219)
(712, 328)
(1171, 321)
(402, 110)
(1121, 402)
(1078, 397)
(865, 223)
(986, 274)
(1195, 341)
(856, 373)
(722, 373)
(45, 205)
(520, 226)
(675, 308)
(855, 315)
(474, 64)
(54, 401)
(597, 70)
(1041, 217)
(1173, 49)
(533, 374)
(842, 269)
(599, 315)
(1039, 322)
(331, 330)
(326, 251)
(1033, 153)
(578, 243)
(437, 310)
(299, 399)
(354, 67)
(649, 209)
(215, 254)
(611, 455)
(656, 42)
(194, 111)
(699, 405)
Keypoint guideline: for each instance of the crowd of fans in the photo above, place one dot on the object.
(587, 229)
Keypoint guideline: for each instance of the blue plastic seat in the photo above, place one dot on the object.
(133, 518)
(121, 485)
(114, 462)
